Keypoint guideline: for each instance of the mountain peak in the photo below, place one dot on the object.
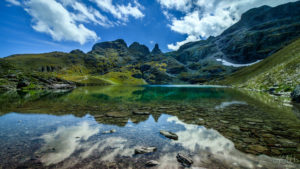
(118, 44)
(156, 50)
(141, 49)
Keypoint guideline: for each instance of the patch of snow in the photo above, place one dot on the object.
(226, 63)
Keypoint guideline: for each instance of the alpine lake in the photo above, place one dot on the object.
(102, 127)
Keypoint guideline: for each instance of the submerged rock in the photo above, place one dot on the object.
(184, 160)
(169, 135)
(109, 131)
(115, 114)
(253, 120)
(296, 94)
(144, 150)
(140, 113)
(151, 163)
(257, 148)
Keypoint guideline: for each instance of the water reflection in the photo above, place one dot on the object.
(72, 146)
(61, 144)
(217, 127)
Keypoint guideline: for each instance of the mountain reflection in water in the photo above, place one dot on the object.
(216, 127)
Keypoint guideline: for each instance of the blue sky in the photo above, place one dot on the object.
(37, 26)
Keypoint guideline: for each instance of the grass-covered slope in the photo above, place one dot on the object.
(38, 71)
(280, 71)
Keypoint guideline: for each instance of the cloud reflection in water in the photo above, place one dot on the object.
(65, 141)
(206, 146)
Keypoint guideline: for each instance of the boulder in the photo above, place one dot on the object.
(296, 94)
(151, 163)
(184, 160)
(169, 135)
(144, 150)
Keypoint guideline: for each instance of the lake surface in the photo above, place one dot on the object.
(217, 127)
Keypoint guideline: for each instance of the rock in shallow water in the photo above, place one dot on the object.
(140, 113)
(296, 94)
(169, 135)
(115, 114)
(184, 160)
(151, 163)
(109, 131)
(144, 150)
(257, 148)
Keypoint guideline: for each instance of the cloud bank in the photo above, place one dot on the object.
(203, 18)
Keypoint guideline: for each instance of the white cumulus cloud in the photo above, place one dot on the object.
(204, 18)
(52, 18)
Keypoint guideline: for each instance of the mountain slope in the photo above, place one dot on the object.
(280, 71)
(259, 33)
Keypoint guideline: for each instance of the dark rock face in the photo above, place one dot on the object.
(22, 83)
(296, 94)
(156, 50)
(177, 70)
(140, 51)
(145, 67)
(117, 44)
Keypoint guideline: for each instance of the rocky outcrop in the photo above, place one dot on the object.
(118, 44)
(296, 94)
(156, 50)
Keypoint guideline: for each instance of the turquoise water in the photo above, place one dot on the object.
(217, 127)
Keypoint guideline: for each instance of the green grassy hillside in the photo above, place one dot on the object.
(280, 71)
(43, 70)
